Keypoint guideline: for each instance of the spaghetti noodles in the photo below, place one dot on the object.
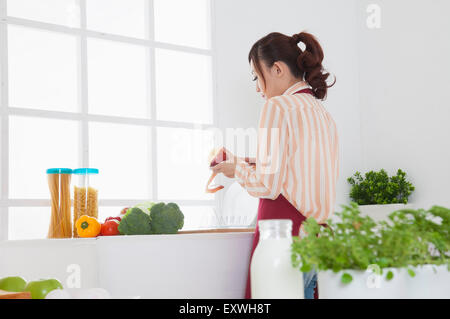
(60, 220)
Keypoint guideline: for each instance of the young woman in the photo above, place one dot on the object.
(297, 163)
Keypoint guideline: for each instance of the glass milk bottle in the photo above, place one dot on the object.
(272, 275)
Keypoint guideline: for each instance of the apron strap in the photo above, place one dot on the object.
(309, 91)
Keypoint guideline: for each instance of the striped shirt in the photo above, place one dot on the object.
(297, 156)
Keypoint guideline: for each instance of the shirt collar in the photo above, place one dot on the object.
(300, 85)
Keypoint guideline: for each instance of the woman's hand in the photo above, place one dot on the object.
(226, 168)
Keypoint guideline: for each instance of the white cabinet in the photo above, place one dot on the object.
(154, 266)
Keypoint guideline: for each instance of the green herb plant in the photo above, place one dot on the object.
(410, 238)
(379, 188)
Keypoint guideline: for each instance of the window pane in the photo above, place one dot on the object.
(35, 145)
(123, 17)
(108, 211)
(122, 154)
(183, 163)
(182, 22)
(183, 87)
(65, 12)
(117, 79)
(28, 222)
(42, 69)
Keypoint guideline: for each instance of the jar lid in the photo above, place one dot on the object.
(85, 171)
(59, 171)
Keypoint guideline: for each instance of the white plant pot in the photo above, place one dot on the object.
(430, 282)
(381, 212)
(365, 285)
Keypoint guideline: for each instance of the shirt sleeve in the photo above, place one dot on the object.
(266, 178)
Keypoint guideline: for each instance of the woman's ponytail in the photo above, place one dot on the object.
(309, 62)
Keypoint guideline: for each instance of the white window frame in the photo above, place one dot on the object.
(83, 117)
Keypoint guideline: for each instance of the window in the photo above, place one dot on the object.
(125, 86)
(42, 69)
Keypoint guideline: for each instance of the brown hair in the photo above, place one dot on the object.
(305, 65)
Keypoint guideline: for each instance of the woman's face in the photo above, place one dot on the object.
(258, 80)
(277, 79)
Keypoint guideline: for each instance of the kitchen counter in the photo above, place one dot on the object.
(185, 265)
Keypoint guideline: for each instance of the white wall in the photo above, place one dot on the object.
(405, 94)
(390, 99)
(238, 24)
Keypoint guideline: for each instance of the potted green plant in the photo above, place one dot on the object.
(378, 194)
(357, 257)
(429, 259)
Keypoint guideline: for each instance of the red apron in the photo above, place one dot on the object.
(279, 208)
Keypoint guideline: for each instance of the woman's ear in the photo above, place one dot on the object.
(278, 69)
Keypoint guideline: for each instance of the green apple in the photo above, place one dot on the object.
(40, 288)
(14, 284)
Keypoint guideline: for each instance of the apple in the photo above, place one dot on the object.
(40, 288)
(13, 284)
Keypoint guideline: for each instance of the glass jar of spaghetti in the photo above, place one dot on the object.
(85, 199)
(61, 218)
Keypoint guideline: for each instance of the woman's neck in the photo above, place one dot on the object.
(291, 83)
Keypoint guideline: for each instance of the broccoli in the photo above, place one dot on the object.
(136, 221)
(150, 218)
(166, 218)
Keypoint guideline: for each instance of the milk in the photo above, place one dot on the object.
(271, 271)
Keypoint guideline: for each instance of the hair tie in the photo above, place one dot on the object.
(296, 39)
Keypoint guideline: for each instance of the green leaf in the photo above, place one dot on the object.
(346, 278)
(411, 272)
(306, 268)
(389, 275)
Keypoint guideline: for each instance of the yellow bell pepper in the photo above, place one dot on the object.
(88, 226)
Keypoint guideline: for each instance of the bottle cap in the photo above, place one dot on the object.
(59, 171)
(85, 171)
